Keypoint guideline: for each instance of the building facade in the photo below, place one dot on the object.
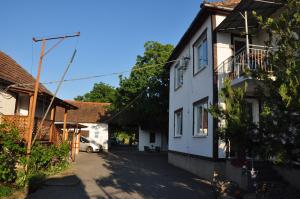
(213, 48)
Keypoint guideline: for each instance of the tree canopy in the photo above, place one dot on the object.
(101, 92)
(148, 86)
(280, 117)
(142, 98)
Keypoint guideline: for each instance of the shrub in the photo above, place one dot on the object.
(48, 158)
(11, 151)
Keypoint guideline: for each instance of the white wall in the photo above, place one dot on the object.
(193, 89)
(102, 130)
(144, 139)
(7, 103)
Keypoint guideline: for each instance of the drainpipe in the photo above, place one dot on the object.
(247, 38)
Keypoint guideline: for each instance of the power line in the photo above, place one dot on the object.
(126, 107)
(54, 95)
(101, 75)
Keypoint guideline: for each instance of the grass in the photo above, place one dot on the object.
(5, 191)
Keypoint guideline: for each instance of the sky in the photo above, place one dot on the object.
(113, 33)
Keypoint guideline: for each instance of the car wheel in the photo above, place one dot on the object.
(89, 149)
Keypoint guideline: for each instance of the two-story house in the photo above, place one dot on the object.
(223, 39)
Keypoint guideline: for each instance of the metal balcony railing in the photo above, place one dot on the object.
(235, 66)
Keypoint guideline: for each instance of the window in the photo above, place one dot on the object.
(178, 74)
(200, 117)
(96, 134)
(84, 140)
(152, 137)
(200, 53)
(178, 123)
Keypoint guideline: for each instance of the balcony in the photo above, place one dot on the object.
(236, 66)
(22, 124)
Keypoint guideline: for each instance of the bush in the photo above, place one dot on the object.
(48, 158)
(11, 151)
(44, 160)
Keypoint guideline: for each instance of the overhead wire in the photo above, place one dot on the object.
(101, 75)
(57, 88)
(126, 107)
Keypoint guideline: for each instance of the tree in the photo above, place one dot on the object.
(280, 118)
(148, 86)
(236, 124)
(101, 93)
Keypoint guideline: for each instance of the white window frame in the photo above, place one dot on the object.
(199, 129)
(178, 122)
(200, 62)
(178, 76)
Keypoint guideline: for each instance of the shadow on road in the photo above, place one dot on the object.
(150, 176)
(56, 188)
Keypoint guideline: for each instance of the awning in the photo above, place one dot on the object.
(235, 23)
(70, 125)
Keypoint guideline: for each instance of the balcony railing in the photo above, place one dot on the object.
(22, 124)
(235, 66)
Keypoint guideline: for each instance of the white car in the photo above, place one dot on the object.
(89, 145)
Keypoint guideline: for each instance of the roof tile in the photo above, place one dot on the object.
(87, 112)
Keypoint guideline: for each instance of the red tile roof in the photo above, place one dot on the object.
(13, 73)
(87, 112)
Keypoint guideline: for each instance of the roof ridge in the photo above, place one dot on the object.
(75, 101)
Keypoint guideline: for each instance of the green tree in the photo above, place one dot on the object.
(236, 123)
(280, 90)
(101, 92)
(148, 86)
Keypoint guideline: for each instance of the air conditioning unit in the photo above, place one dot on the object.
(184, 63)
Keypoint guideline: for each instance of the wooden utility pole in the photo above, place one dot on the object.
(33, 108)
(36, 88)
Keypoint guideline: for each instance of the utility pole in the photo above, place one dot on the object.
(36, 88)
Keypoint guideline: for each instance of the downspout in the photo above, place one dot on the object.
(247, 38)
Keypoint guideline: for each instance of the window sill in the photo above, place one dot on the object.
(200, 136)
(200, 70)
(177, 136)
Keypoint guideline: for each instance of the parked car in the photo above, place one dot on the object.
(89, 145)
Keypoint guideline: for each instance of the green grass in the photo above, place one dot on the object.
(5, 191)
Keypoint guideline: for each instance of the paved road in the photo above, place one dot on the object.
(124, 174)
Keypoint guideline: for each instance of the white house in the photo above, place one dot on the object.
(212, 48)
(152, 140)
(92, 115)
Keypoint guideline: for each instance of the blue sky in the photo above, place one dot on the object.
(112, 35)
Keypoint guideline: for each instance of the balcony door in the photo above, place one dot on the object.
(239, 44)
